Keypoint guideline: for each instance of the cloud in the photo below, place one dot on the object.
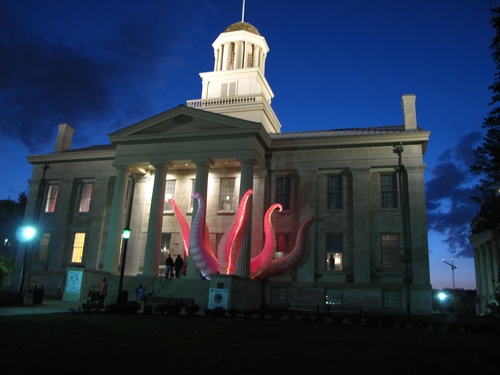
(450, 208)
(99, 81)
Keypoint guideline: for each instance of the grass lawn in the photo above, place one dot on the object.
(141, 344)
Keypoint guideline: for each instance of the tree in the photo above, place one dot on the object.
(11, 219)
(487, 163)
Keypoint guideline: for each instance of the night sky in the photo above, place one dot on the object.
(333, 64)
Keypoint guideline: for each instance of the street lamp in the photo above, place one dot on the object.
(126, 232)
(24, 235)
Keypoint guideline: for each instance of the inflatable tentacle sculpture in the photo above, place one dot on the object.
(231, 240)
(262, 266)
(185, 229)
(290, 261)
(201, 255)
(184, 226)
(265, 257)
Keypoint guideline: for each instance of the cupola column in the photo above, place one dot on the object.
(153, 241)
(112, 255)
(225, 62)
(245, 54)
(238, 55)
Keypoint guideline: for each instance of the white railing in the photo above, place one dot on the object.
(230, 100)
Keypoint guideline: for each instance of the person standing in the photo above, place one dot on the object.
(178, 264)
(332, 262)
(103, 291)
(169, 266)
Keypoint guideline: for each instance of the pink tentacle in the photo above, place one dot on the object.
(265, 257)
(227, 250)
(202, 257)
(184, 226)
(290, 261)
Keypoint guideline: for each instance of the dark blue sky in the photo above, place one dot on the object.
(103, 65)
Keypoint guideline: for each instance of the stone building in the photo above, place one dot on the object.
(486, 246)
(365, 249)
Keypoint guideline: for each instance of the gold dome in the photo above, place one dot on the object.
(242, 26)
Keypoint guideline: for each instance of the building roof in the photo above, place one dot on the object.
(242, 26)
(341, 132)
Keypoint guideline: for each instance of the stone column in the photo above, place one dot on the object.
(246, 182)
(153, 242)
(479, 287)
(112, 255)
(483, 266)
(200, 186)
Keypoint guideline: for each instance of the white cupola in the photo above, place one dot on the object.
(237, 87)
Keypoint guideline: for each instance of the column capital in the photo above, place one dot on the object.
(203, 161)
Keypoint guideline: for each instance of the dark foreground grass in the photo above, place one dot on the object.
(142, 344)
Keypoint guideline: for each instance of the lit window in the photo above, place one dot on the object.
(78, 244)
(226, 197)
(335, 192)
(86, 194)
(43, 248)
(389, 190)
(169, 194)
(391, 299)
(282, 246)
(333, 297)
(334, 251)
(391, 258)
(51, 198)
(283, 191)
(166, 238)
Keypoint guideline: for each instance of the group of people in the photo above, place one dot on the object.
(173, 268)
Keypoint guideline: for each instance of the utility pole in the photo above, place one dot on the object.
(453, 267)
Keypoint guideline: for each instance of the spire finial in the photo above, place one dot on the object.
(243, 12)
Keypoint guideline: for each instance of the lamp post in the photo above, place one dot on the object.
(126, 232)
(24, 234)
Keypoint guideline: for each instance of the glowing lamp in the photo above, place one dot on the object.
(442, 296)
(126, 232)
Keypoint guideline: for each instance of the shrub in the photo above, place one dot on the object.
(318, 319)
(372, 321)
(292, 316)
(437, 325)
(419, 324)
(277, 315)
(208, 312)
(219, 312)
(387, 322)
(306, 319)
(248, 313)
(173, 310)
(337, 319)
(355, 320)
(453, 327)
(191, 310)
(233, 312)
(262, 313)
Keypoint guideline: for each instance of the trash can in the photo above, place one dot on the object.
(38, 295)
(123, 297)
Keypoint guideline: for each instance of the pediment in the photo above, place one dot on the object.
(181, 122)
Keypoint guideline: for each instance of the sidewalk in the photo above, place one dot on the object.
(49, 306)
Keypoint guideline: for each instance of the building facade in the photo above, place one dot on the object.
(365, 248)
(486, 248)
